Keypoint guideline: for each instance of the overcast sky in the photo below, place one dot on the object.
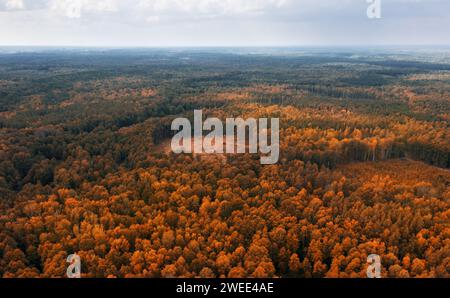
(222, 22)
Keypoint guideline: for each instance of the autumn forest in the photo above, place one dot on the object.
(86, 165)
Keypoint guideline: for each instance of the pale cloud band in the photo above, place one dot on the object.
(194, 8)
(14, 4)
(221, 22)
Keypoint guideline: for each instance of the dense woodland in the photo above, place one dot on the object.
(86, 168)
